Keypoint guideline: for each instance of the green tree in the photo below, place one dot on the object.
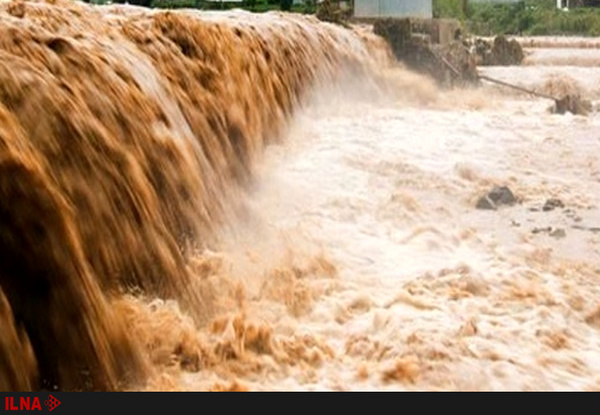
(456, 9)
(286, 5)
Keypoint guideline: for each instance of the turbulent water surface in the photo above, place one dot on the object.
(240, 202)
(428, 292)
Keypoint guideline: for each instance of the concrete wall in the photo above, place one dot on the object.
(393, 8)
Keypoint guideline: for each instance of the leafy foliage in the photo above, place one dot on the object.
(528, 17)
(456, 9)
(532, 17)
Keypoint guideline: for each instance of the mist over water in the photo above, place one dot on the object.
(128, 139)
(229, 201)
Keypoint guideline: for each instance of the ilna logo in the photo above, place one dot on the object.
(26, 403)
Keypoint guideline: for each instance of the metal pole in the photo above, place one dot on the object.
(496, 81)
(518, 88)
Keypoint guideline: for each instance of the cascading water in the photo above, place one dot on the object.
(230, 201)
(126, 135)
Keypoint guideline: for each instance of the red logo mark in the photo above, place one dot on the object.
(24, 403)
(51, 403)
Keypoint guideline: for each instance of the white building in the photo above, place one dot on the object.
(393, 8)
(565, 4)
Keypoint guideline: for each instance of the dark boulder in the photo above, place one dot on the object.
(500, 52)
(498, 196)
(552, 204)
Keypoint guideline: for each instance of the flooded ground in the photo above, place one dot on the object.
(230, 201)
(364, 257)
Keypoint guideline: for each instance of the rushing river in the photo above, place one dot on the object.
(228, 201)
(364, 254)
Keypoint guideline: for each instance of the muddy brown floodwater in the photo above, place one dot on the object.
(229, 201)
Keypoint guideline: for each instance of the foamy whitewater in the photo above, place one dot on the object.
(331, 236)
(422, 291)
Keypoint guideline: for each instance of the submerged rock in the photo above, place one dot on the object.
(498, 196)
(506, 52)
(552, 204)
(500, 52)
(573, 104)
(557, 233)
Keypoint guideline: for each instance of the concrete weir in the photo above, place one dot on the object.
(432, 46)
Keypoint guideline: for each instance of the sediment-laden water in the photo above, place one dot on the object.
(228, 201)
